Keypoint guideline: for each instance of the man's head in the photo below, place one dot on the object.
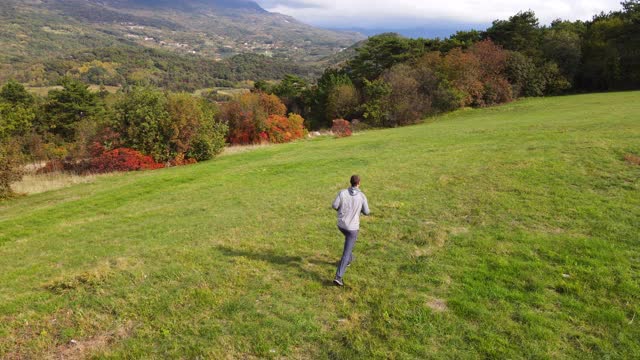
(355, 181)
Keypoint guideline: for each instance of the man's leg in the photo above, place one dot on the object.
(350, 238)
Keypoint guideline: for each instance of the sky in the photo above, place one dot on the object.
(441, 16)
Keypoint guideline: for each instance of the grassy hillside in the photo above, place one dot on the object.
(506, 232)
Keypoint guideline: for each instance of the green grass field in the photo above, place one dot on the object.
(507, 232)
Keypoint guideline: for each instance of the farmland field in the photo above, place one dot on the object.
(506, 232)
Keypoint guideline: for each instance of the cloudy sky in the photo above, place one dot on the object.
(398, 14)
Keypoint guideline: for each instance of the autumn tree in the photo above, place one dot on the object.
(247, 116)
(342, 101)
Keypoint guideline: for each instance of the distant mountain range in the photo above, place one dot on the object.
(428, 32)
(37, 31)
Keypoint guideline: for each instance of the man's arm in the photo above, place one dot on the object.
(336, 203)
(365, 206)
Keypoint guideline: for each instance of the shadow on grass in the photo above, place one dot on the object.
(297, 263)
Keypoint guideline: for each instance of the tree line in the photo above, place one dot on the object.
(75, 129)
(394, 81)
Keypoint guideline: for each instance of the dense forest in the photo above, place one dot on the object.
(389, 81)
(124, 65)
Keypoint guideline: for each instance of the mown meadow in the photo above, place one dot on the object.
(504, 232)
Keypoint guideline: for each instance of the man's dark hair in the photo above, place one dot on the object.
(355, 180)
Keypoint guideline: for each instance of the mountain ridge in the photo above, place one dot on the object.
(187, 4)
(34, 32)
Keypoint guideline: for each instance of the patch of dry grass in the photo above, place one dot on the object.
(238, 149)
(632, 159)
(39, 183)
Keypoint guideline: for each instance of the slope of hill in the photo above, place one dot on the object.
(504, 232)
(33, 32)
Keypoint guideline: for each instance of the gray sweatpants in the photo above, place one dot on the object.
(350, 237)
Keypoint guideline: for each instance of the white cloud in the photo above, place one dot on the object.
(409, 13)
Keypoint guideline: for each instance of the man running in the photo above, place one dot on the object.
(349, 203)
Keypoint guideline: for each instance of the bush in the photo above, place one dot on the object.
(524, 76)
(105, 139)
(166, 126)
(143, 120)
(282, 129)
(377, 105)
(15, 120)
(448, 98)
(463, 70)
(211, 137)
(123, 159)
(242, 127)
(10, 169)
(342, 101)
(208, 143)
(341, 128)
(497, 90)
(248, 117)
(407, 104)
(107, 156)
(555, 82)
(186, 115)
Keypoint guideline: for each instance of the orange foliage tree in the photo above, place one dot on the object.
(258, 117)
(282, 129)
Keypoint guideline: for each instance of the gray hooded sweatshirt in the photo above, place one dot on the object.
(350, 203)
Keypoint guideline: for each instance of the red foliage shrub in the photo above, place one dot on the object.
(247, 117)
(123, 159)
(492, 65)
(243, 129)
(497, 90)
(281, 129)
(341, 128)
(492, 58)
(105, 139)
(462, 69)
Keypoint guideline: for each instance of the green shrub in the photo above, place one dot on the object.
(142, 119)
(377, 105)
(211, 137)
(168, 126)
(15, 120)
